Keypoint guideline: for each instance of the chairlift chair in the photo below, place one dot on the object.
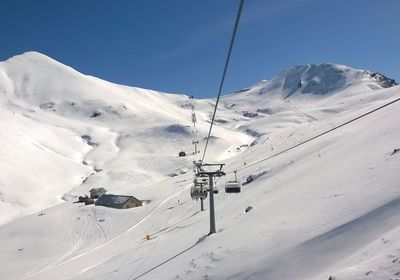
(233, 186)
(200, 181)
(198, 191)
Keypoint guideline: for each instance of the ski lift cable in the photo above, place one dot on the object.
(316, 136)
(224, 74)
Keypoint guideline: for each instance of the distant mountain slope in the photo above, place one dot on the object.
(65, 132)
(322, 79)
(36, 80)
(59, 121)
(300, 95)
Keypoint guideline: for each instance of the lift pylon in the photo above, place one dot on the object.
(210, 170)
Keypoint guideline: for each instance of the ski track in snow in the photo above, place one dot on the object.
(102, 237)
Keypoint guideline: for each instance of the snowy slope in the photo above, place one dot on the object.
(58, 121)
(322, 79)
(325, 208)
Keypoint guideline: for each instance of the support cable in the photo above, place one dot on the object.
(223, 74)
(319, 135)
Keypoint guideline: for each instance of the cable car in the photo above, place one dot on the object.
(233, 186)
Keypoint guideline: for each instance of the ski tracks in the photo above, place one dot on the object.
(102, 235)
(86, 227)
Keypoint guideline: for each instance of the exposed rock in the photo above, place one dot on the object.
(47, 105)
(95, 114)
(395, 151)
(382, 80)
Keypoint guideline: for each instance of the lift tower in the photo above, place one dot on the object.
(210, 170)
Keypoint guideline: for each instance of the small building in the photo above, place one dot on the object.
(182, 154)
(118, 201)
(97, 192)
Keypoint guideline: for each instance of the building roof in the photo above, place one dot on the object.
(114, 201)
(98, 190)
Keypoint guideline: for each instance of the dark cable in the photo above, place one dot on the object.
(223, 74)
(319, 135)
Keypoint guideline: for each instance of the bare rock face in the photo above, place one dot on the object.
(382, 80)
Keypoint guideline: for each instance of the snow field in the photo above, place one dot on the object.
(326, 208)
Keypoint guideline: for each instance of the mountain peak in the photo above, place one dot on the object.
(34, 59)
(31, 56)
(34, 54)
(323, 79)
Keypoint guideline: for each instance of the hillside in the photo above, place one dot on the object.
(325, 208)
(62, 123)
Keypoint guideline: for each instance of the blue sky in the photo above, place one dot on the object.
(179, 46)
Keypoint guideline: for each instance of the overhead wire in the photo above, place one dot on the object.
(317, 136)
(224, 74)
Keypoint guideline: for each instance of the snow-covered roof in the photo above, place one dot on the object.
(114, 201)
(98, 190)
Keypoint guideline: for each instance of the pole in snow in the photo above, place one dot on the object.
(200, 172)
(212, 213)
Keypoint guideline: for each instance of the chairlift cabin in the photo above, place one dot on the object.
(233, 186)
(198, 191)
(200, 188)
(200, 181)
(203, 181)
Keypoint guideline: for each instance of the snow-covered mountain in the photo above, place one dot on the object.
(323, 79)
(58, 121)
(325, 208)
